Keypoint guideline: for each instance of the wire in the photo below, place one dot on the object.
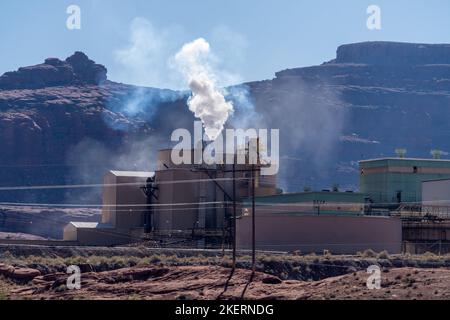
(75, 186)
(50, 165)
(285, 157)
(19, 204)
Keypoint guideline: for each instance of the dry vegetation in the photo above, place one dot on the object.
(302, 269)
(292, 266)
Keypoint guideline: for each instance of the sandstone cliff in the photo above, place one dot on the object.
(64, 122)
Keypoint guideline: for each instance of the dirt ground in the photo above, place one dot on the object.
(19, 236)
(208, 282)
(39, 272)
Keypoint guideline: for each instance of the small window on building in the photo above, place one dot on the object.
(415, 169)
(399, 196)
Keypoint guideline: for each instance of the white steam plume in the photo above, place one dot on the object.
(207, 101)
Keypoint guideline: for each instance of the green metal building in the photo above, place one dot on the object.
(310, 203)
(390, 181)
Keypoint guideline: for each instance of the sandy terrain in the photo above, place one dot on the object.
(208, 282)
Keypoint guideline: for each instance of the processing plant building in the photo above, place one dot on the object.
(318, 221)
(174, 202)
(194, 205)
(418, 192)
(390, 181)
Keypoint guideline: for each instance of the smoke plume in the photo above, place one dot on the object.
(207, 102)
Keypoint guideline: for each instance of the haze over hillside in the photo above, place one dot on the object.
(63, 122)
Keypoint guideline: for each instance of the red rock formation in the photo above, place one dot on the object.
(77, 69)
(22, 275)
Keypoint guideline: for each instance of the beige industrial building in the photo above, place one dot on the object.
(123, 211)
(185, 200)
(436, 193)
(317, 221)
(93, 234)
(197, 197)
(339, 234)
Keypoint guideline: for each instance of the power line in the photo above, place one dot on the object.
(75, 186)
(107, 205)
(50, 165)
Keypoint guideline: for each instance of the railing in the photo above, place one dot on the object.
(423, 211)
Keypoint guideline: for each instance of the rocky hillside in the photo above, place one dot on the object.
(76, 69)
(374, 97)
(36, 222)
(64, 122)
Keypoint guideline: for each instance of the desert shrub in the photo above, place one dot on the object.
(155, 259)
(61, 288)
(383, 255)
(227, 263)
(312, 254)
(267, 259)
(6, 255)
(76, 260)
(170, 259)
(5, 287)
(429, 254)
(97, 260)
(369, 253)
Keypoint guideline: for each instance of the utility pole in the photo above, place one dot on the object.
(149, 190)
(253, 209)
(253, 177)
(234, 216)
(253, 221)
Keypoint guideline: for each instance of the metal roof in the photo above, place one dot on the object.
(137, 174)
(438, 163)
(436, 180)
(404, 159)
(350, 197)
(89, 225)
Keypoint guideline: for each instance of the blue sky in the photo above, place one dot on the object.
(251, 39)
